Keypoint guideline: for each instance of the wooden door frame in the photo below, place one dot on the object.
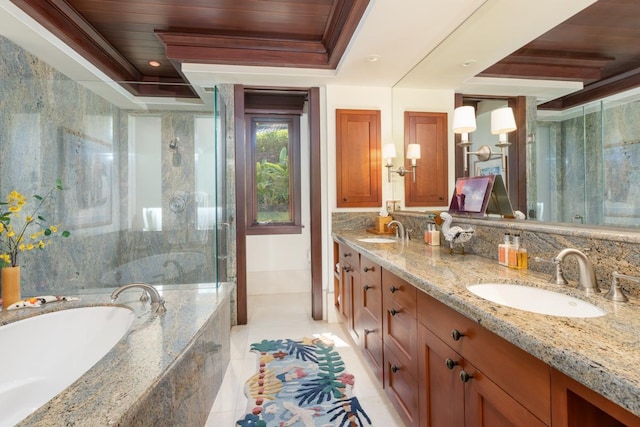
(315, 163)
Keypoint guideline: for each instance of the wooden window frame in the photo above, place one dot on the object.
(294, 227)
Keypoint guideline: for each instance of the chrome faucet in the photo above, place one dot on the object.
(157, 303)
(399, 228)
(587, 276)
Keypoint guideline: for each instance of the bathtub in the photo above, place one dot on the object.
(44, 354)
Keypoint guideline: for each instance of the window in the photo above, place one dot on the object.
(274, 174)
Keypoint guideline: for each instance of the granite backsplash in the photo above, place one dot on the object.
(609, 249)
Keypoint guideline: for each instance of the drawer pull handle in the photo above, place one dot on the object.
(369, 331)
(451, 363)
(393, 311)
(394, 369)
(366, 287)
(367, 269)
(346, 254)
(456, 335)
(346, 269)
(465, 376)
(393, 289)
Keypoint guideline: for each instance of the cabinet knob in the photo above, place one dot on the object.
(394, 369)
(345, 199)
(346, 269)
(346, 254)
(465, 376)
(367, 269)
(451, 363)
(456, 335)
(369, 331)
(393, 311)
(366, 287)
(393, 289)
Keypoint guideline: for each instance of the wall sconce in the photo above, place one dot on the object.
(389, 153)
(464, 122)
(502, 122)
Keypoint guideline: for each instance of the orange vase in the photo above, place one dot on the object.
(10, 282)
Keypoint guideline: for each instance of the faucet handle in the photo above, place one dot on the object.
(615, 291)
(558, 276)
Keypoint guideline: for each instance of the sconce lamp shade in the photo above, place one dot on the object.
(413, 151)
(388, 151)
(502, 121)
(464, 119)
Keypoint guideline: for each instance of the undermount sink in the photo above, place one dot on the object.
(376, 240)
(536, 300)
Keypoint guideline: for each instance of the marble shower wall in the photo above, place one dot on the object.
(596, 176)
(52, 127)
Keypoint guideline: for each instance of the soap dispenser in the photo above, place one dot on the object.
(503, 250)
(517, 254)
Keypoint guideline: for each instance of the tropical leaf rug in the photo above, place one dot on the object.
(301, 383)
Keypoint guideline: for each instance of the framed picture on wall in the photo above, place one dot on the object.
(87, 178)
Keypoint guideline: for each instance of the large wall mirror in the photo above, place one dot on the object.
(514, 172)
(576, 166)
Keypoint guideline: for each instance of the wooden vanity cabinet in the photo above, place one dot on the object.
(575, 405)
(400, 338)
(440, 368)
(369, 321)
(502, 384)
(349, 280)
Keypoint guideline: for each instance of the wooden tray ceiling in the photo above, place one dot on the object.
(121, 36)
(600, 46)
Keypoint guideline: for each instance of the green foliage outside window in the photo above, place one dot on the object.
(272, 175)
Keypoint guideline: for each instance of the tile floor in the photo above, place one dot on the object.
(284, 316)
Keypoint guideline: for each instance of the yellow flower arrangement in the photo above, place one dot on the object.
(13, 227)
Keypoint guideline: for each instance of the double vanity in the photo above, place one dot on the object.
(451, 353)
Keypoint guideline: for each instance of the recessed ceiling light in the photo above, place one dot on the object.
(154, 63)
(373, 58)
(469, 62)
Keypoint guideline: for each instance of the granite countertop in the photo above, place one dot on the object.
(603, 353)
(134, 365)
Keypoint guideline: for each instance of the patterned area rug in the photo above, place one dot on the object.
(301, 383)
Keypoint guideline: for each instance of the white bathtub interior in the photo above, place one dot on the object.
(44, 354)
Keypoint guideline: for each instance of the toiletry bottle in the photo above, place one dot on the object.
(427, 235)
(523, 261)
(512, 257)
(435, 235)
(503, 250)
(518, 254)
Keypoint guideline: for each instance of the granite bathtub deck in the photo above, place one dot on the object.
(602, 353)
(111, 392)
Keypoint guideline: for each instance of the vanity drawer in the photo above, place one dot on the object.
(398, 293)
(524, 377)
(349, 256)
(399, 324)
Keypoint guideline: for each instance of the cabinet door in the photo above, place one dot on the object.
(358, 164)
(401, 388)
(429, 130)
(487, 405)
(441, 392)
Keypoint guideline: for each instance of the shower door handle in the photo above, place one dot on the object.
(220, 226)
